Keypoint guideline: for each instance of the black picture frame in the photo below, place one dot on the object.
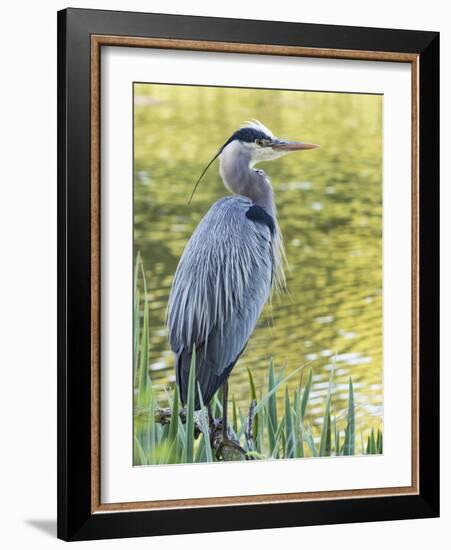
(76, 521)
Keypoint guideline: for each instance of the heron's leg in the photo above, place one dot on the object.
(227, 446)
(211, 419)
(225, 396)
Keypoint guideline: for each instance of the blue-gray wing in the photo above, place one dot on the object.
(220, 287)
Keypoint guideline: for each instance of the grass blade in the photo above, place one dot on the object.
(272, 408)
(261, 431)
(144, 380)
(139, 456)
(173, 428)
(234, 415)
(255, 422)
(305, 395)
(151, 431)
(252, 385)
(290, 437)
(309, 439)
(136, 326)
(297, 401)
(326, 437)
(349, 444)
(298, 441)
(379, 444)
(372, 450)
(200, 451)
(188, 447)
(338, 449)
(277, 437)
(136, 323)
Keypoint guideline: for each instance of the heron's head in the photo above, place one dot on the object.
(257, 143)
(250, 144)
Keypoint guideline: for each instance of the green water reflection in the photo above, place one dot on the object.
(330, 212)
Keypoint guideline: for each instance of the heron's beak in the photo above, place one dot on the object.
(292, 146)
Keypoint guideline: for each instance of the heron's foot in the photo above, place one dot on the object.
(230, 450)
(226, 447)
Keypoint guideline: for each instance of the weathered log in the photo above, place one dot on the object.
(163, 416)
(227, 452)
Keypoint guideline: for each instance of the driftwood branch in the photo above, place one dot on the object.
(163, 416)
(233, 452)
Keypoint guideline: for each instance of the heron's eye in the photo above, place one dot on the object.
(261, 142)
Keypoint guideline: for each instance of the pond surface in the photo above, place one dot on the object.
(330, 211)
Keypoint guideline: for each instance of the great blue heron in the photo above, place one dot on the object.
(228, 267)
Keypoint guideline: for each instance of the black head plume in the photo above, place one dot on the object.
(203, 172)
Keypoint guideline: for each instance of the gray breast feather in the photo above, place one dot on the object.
(221, 285)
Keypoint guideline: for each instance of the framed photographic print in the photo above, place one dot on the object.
(248, 274)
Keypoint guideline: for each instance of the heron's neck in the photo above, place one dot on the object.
(240, 178)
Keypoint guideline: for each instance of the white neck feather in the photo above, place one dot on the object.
(238, 176)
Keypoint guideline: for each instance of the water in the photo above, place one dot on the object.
(330, 211)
